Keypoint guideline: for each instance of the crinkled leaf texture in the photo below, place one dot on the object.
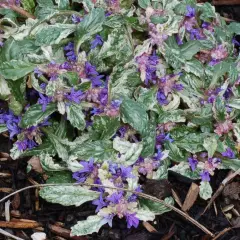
(129, 151)
(90, 225)
(68, 195)
(16, 69)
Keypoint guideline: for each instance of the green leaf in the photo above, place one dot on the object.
(35, 84)
(63, 4)
(18, 50)
(59, 147)
(205, 190)
(190, 48)
(130, 152)
(4, 89)
(234, 103)
(194, 66)
(16, 69)
(3, 128)
(18, 89)
(104, 127)
(233, 164)
(149, 140)
(90, 25)
(192, 142)
(76, 116)
(148, 97)
(28, 5)
(101, 150)
(45, 3)
(208, 12)
(172, 116)
(68, 195)
(53, 34)
(117, 47)
(218, 71)
(15, 106)
(134, 113)
(234, 27)
(34, 115)
(60, 177)
(156, 208)
(210, 144)
(90, 225)
(184, 169)
(144, 3)
(174, 152)
(48, 163)
(162, 172)
(145, 214)
(123, 82)
(219, 109)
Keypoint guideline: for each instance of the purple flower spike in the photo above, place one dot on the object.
(228, 153)
(75, 96)
(132, 220)
(44, 101)
(193, 163)
(71, 56)
(13, 129)
(38, 72)
(1, 44)
(108, 219)
(99, 203)
(191, 12)
(22, 145)
(97, 41)
(205, 176)
(76, 19)
(115, 198)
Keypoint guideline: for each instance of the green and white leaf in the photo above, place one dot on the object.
(91, 24)
(76, 116)
(205, 190)
(90, 225)
(184, 169)
(145, 214)
(210, 144)
(4, 89)
(99, 150)
(134, 113)
(16, 69)
(155, 207)
(130, 152)
(34, 115)
(48, 163)
(68, 195)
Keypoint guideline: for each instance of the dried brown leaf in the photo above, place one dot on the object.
(35, 163)
(191, 197)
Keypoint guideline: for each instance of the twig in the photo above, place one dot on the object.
(22, 12)
(143, 195)
(19, 224)
(7, 234)
(222, 233)
(221, 187)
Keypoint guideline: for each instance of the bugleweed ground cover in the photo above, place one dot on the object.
(119, 93)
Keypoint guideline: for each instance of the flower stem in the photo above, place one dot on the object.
(22, 12)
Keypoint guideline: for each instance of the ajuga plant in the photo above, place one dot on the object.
(106, 91)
